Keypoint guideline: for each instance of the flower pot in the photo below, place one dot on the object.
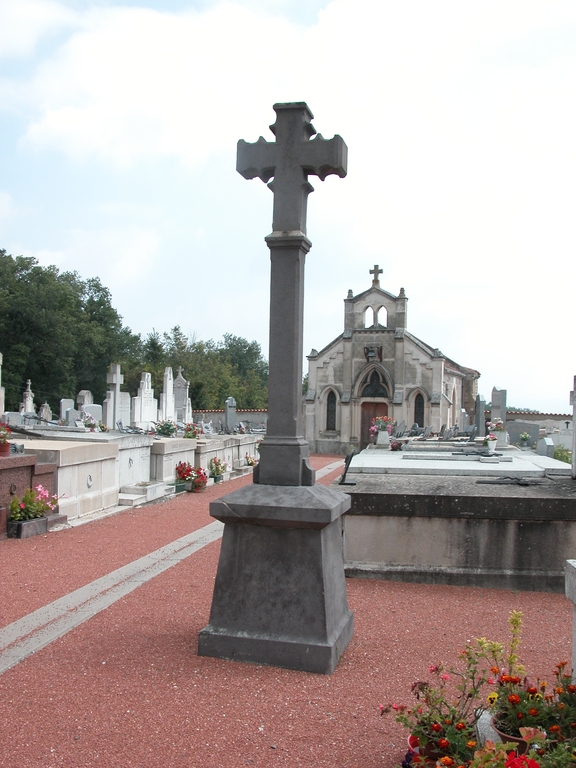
(427, 754)
(521, 744)
(189, 485)
(491, 445)
(4, 449)
(217, 478)
(179, 486)
(22, 529)
(383, 438)
(501, 438)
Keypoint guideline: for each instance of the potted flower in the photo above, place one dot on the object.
(27, 515)
(381, 429)
(524, 439)
(490, 442)
(165, 428)
(183, 474)
(198, 481)
(5, 433)
(441, 722)
(520, 703)
(217, 469)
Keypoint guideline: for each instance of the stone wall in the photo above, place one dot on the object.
(506, 537)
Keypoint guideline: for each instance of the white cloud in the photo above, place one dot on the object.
(24, 22)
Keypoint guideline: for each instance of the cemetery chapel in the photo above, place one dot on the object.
(376, 367)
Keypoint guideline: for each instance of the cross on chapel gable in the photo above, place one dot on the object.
(376, 272)
(290, 160)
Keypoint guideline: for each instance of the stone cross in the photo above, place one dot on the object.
(280, 592)
(376, 272)
(290, 160)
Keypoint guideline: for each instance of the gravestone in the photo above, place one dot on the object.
(144, 405)
(479, 417)
(498, 405)
(545, 447)
(182, 403)
(280, 595)
(84, 397)
(65, 404)
(27, 404)
(167, 408)
(230, 413)
(95, 411)
(45, 412)
(116, 406)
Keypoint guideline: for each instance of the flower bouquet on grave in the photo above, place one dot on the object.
(198, 480)
(381, 423)
(192, 431)
(496, 426)
(524, 438)
(217, 467)
(396, 445)
(251, 461)
(490, 437)
(88, 421)
(184, 471)
(36, 502)
(165, 428)
(5, 433)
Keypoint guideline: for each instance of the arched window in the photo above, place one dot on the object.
(381, 317)
(369, 317)
(374, 386)
(419, 410)
(331, 412)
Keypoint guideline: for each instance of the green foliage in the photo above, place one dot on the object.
(36, 502)
(62, 333)
(563, 454)
(57, 330)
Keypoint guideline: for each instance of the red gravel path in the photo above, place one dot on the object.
(126, 688)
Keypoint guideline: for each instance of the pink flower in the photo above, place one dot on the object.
(444, 677)
(433, 668)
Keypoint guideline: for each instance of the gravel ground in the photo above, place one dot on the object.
(126, 688)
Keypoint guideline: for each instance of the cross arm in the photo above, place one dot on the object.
(256, 159)
(322, 157)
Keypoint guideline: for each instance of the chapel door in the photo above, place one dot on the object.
(368, 412)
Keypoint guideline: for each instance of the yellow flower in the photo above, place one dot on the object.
(492, 698)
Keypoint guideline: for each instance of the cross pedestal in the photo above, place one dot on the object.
(280, 592)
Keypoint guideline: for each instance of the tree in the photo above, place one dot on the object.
(57, 330)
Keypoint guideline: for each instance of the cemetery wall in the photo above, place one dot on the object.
(255, 417)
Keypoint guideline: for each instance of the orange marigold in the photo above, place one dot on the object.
(554, 728)
(470, 744)
(514, 698)
(436, 727)
(533, 711)
(448, 761)
(460, 726)
(443, 743)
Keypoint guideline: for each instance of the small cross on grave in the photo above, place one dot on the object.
(376, 272)
(280, 594)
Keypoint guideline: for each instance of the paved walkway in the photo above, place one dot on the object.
(34, 631)
(100, 674)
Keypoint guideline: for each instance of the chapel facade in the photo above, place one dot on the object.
(376, 367)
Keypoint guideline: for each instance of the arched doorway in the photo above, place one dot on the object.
(419, 410)
(368, 412)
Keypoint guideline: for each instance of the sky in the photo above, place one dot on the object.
(118, 130)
